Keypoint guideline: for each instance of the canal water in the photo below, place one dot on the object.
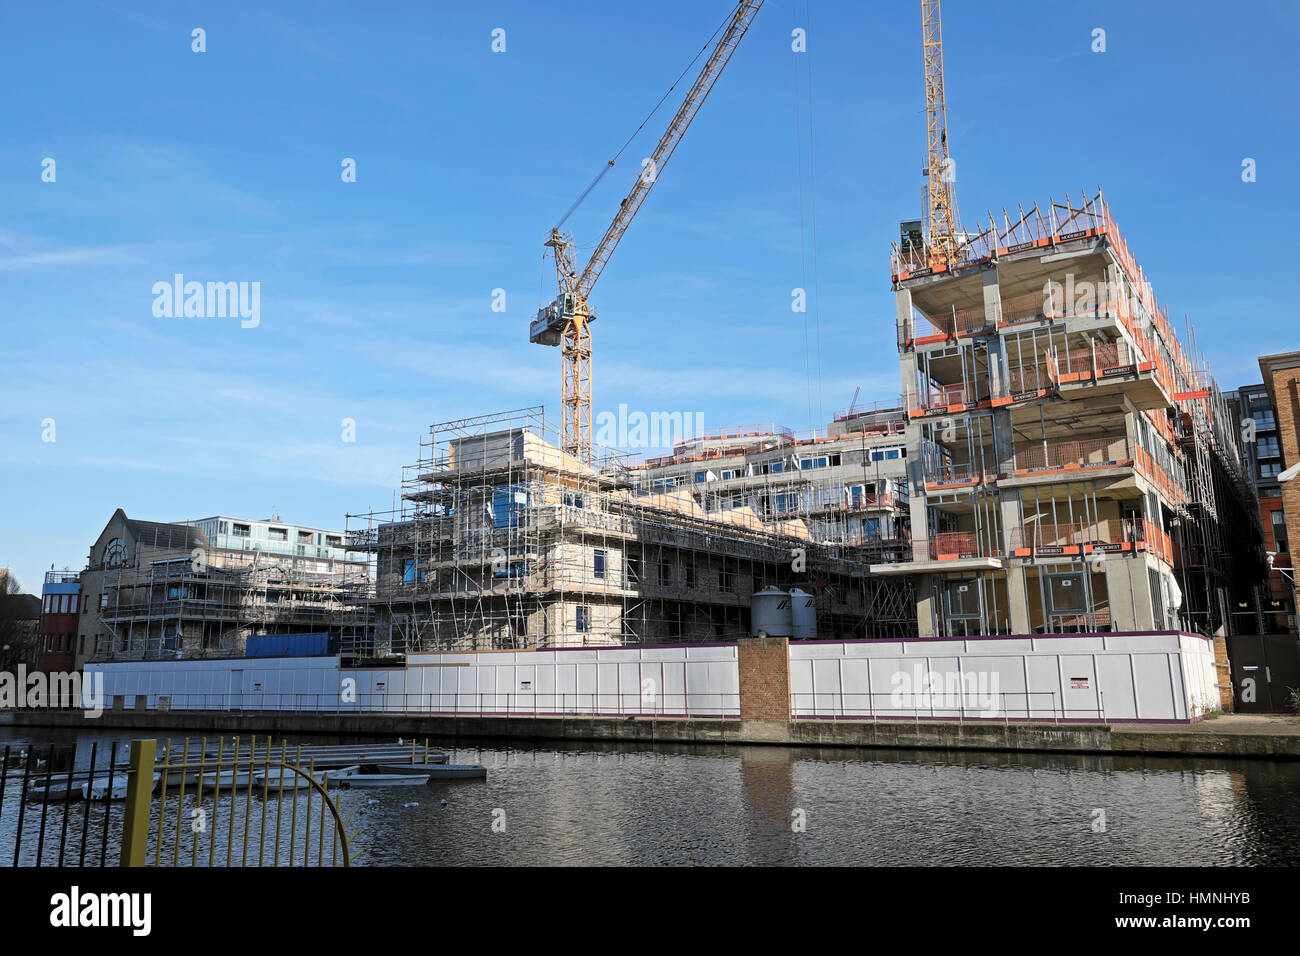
(624, 804)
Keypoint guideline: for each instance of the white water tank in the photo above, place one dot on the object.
(770, 613)
(803, 611)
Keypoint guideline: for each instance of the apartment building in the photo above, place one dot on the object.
(1282, 382)
(60, 613)
(1273, 609)
(201, 588)
(848, 486)
(1070, 467)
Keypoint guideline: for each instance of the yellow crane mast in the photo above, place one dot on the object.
(567, 320)
(944, 223)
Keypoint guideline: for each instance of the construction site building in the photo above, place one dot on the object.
(201, 588)
(1071, 466)
(847, 485)
(504, 541)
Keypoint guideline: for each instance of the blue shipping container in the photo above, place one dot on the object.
(291, 645)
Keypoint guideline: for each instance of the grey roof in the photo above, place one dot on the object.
(160, 534)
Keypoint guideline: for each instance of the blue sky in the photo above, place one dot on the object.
(376, 295)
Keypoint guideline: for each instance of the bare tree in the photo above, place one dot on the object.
(20, 638)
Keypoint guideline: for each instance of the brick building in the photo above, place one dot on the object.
(1282, 380)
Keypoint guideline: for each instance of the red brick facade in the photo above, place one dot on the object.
(764, 664)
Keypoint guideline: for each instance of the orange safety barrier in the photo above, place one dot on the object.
(948, 546)
(1067, 455)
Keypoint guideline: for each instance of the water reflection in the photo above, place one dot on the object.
(616, 804)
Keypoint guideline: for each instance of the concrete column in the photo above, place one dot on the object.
(764, 665)
(992, 296)
(1018, 599)
(906, 358)
(1129, 588)
(926, 609)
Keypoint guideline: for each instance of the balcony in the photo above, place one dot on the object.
(1026, 383)
(953, 324)
(1035, 458)
(952, 476)
(954, 550)
(1111, 535)
(944, 399)
(1112, 367)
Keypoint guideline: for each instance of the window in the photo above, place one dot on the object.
(508, 504)
(776, 467)
(1264, 419)
(665, 574)
(1269, 470)
(334, 540)
(410, 573)
(688, 567)
(239, 530)
(699, 477)
(1268, 448)
(574, 500)
(584, 618)
(599, 565)
(726, 580)
(305, 537)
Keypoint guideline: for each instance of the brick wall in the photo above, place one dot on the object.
(1226, 698)
(764, 664)
(1285, 390)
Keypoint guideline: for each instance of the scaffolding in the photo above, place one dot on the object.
(501, 540)
(183, 606)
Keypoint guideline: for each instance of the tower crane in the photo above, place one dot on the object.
(567, 320)
(946, 240)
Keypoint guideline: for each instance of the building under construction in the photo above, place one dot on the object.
(201, 588)
(503, 540)
(1072, 466)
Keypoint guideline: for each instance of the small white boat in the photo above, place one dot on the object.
(443, 771)
(57, 789)
(99, 788)
(374, 777)
(226, 778)
(458, 771)
(291, 780)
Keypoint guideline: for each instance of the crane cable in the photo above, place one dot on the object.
(811, 342)
(649, 116)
